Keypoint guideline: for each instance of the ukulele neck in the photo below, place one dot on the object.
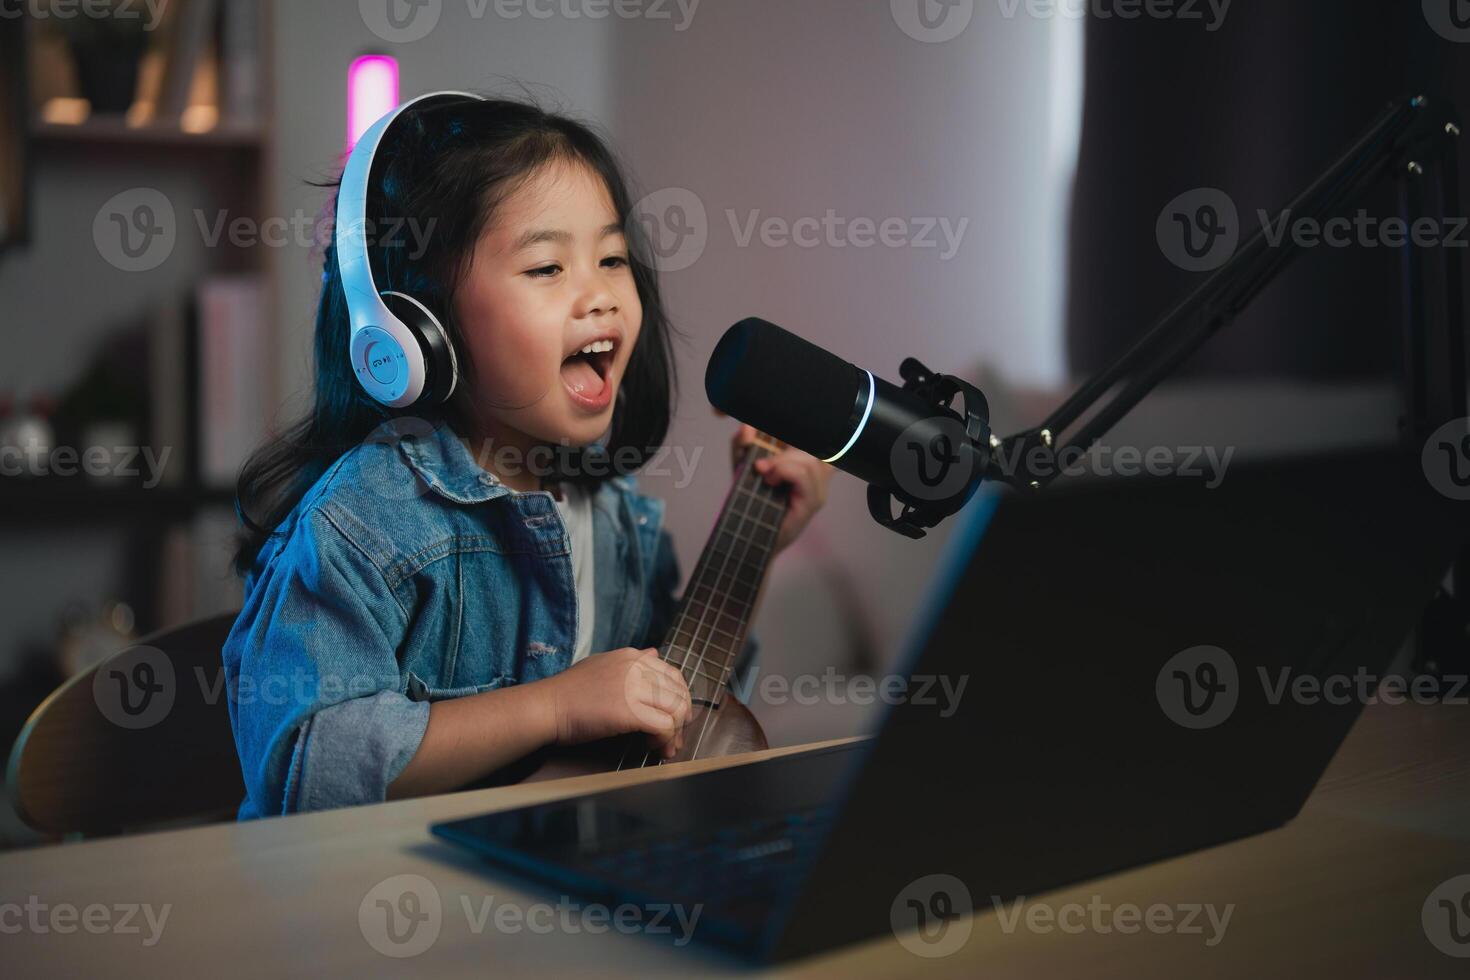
(713, 616)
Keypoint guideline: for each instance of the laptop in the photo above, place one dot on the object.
(1123, 643)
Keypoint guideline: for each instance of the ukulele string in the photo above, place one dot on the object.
(701, 572)
(704, 611)
(726, 670)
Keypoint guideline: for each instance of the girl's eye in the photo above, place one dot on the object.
(547, 271)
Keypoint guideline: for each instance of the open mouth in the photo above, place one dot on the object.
(585, 373)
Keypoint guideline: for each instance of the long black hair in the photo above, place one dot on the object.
(446, 168)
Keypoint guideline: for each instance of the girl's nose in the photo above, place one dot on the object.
(596, 297)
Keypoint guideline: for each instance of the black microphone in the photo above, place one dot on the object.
(904, 441)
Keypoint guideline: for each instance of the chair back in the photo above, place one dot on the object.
(141, 740)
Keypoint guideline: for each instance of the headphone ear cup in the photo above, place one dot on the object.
(441, 367)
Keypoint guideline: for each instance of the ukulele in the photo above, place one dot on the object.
(703, 639)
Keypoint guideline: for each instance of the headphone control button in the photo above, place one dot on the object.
(382, 363)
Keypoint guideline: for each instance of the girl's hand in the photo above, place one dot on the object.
(806, 476)
(624, 690)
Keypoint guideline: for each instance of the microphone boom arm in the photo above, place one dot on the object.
(1409, 141)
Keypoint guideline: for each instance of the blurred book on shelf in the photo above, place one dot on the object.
(233, 374)
(189, 36)
(192, 65)
(15, 162)
(170, 391)
(242, 76)
(196, 578)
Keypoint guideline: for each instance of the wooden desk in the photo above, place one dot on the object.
(1338, 892)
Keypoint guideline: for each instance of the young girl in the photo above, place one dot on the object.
(424, 603)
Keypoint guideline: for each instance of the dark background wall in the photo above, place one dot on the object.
(1257, 109)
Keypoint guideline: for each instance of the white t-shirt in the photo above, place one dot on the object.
(576, 513)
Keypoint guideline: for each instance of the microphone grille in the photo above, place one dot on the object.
(785, 386)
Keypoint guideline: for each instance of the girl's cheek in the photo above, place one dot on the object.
(518, 365)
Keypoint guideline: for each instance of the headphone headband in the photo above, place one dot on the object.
(386, 354)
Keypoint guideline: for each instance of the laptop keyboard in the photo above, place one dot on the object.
(729, 865)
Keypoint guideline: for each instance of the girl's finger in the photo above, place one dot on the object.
(653, 721)
(659, 693)
(673, 676)
(786, 468)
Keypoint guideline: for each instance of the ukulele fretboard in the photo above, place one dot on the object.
(713, 616)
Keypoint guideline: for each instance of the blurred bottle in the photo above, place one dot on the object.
(28, 437)
(88, 635)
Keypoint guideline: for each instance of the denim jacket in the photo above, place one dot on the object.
(407, 574)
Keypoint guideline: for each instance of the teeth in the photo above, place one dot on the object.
(598, 346)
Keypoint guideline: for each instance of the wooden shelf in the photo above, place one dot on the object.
(114, 130)
(52, 500)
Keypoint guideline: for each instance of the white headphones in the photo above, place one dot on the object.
(401, 353)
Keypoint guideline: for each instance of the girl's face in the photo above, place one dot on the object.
(549, 276)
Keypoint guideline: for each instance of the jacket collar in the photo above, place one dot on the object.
(445, 464)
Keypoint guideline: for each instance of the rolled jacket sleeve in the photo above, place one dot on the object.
(318, 696)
